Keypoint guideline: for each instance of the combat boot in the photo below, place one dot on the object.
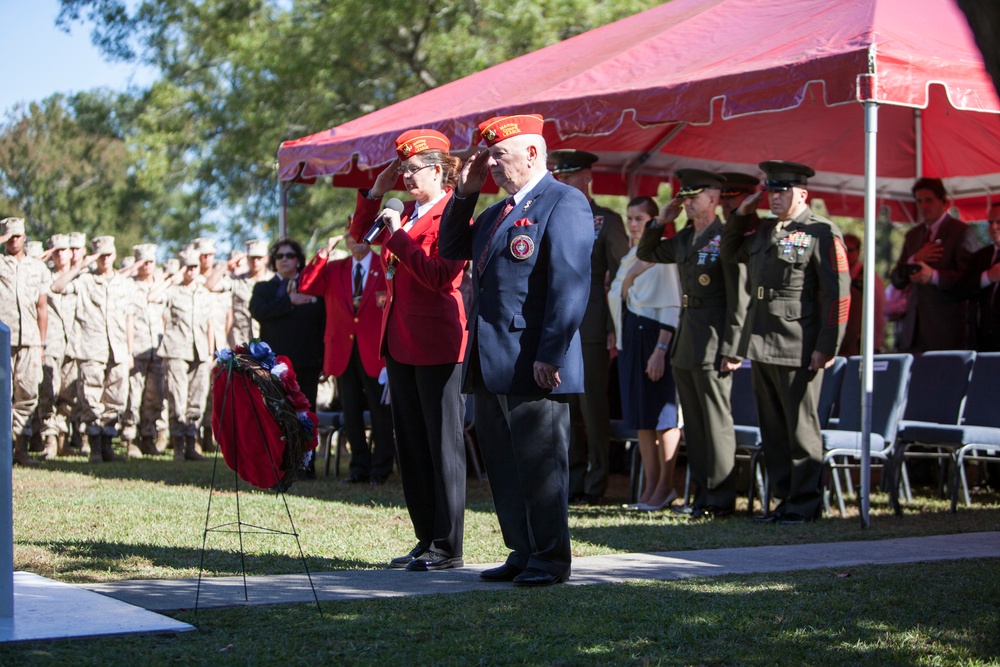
(93, 444)
(161, 442)
(146, 445)
(36, 443)
(108, 450)
(132, 450)
(64, 448)
(191, 449)
(177, 444)
(21, 456)
(207, 440)
(51, 450)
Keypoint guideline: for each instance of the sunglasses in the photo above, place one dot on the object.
(285, 255)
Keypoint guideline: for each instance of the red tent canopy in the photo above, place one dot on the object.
(699, 82)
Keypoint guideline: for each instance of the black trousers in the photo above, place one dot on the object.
(708, 433)
(787, 399)
(590, 419)
(358, 390)
(524, 441)
(428, 412)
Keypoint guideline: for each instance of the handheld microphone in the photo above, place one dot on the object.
(379, 223)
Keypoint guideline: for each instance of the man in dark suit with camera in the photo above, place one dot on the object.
(936, 255)
(531, 278)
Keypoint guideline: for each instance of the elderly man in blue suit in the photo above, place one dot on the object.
(531, 281)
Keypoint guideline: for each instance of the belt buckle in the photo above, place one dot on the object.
(684, 301)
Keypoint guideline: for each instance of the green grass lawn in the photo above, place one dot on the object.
(77, 522)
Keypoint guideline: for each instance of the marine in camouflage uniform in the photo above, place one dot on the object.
(244, 328)
(704, 354)
(186, 354)
(143, 420)
(800, 298)
(219, 311)
(24, 309)
(62, 313)
(103, 355)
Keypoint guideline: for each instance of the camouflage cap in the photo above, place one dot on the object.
(171, 266)
(103, 245)
(256, 248)
(59, 241)
(204, 246)
(188, 257)
(13, 226)
(33, 248)
(145, 252)
(77, 240)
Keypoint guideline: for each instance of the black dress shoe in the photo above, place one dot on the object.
(354, 480)
(402, 561)
(432, 560)
(715, 512)
(505, 572)
(686, 510)
(376, 481)
(791, 519)
(773, 517)
(538, 578)
(586, 499)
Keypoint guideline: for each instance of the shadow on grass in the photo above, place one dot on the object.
(78, 560)
(163, 470)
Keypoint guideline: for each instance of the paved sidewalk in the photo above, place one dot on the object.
(167, 595)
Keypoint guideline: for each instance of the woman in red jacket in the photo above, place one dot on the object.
(423, 341)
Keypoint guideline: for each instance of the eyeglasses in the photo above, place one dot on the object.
(411, 170)
(285, 255)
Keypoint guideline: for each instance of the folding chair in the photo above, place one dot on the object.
(939, 382)
(630, 438)
(891, 374)
(981, 423)
(748, 440)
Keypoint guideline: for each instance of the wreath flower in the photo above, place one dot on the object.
(263, 434)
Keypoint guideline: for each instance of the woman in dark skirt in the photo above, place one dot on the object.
(645, 301)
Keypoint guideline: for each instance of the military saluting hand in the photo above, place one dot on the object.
(670, 212)
(385, 181)
(749, 204)
(473, 175)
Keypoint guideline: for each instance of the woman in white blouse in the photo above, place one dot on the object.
(645, 301)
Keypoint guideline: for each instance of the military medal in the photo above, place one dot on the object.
(598, 225)
(390, 269)
(527, 205)
(522, 247)
(710, 252)
(704, 279)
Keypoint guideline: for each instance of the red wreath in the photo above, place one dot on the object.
(261, 419)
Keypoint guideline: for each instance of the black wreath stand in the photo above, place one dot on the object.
(239, 526)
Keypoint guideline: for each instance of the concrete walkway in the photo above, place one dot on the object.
(167, 595)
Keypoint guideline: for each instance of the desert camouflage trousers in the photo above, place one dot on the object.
(26, 374)
(185, 384)
(144, 414)
(102, 389)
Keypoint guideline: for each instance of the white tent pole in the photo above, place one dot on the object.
(868, 301)
(918, 143)
(283, 211)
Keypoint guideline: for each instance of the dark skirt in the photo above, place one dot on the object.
(646, 404)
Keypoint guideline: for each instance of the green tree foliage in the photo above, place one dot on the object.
(241, 76)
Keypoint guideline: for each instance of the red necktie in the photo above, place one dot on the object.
(508, 207)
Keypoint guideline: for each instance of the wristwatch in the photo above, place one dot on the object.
(663, 346)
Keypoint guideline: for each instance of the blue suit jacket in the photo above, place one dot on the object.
(528, 303)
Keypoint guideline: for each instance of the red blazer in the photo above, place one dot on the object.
(423, 322)
(333, 281)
